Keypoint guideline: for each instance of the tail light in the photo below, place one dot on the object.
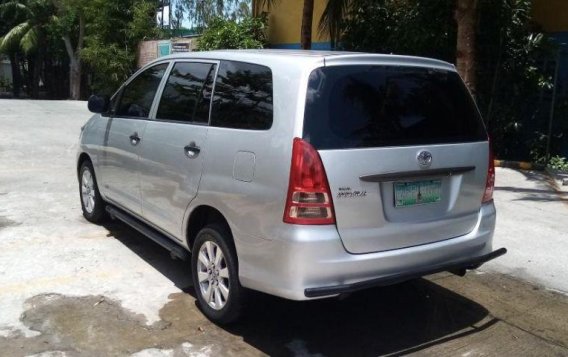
(309, 196)
(490, 182)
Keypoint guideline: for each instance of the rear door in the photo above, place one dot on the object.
(405, 153)
(120, 160)
(174, 144)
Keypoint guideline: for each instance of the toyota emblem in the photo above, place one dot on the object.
(424, 159)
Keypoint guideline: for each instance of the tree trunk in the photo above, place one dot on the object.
(16, 77)
(36, 69)
(489, 114)
(466, 19)
(27, 66)
(30, 76)
(75, 79)
(307, 19)
(75, 60)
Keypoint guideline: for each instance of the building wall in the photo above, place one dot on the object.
(285, 22)
(151, 50)
(551, 14)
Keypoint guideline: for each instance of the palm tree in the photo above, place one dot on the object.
(333, 15)
(75, 10)
(307, 20)
(7, 22)
(330, 22)
(466, 14)
(466, 19)
(26, 35)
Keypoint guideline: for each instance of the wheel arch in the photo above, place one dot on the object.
(82, 158)
(202, 216)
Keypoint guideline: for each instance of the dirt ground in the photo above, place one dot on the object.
(478, 315)
(70, 288)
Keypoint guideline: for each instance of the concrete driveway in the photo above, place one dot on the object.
(532, 223)
(70, 288)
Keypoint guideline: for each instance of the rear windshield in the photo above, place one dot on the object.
(374, 106)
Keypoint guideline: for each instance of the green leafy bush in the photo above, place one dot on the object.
(512, 79)
(112, 38)
(558, 163)
(409, 27)
(250, 32)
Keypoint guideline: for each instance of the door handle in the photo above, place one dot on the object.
(192, 150)
(134, 138)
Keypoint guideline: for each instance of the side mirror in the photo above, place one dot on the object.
(98, 103)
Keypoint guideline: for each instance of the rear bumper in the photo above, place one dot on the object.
(307, 262)
(401, 277)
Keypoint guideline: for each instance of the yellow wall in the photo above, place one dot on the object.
(285, 21)
(552, 15)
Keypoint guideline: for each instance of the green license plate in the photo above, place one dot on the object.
(417, 192)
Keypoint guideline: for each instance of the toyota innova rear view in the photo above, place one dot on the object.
(299, 174)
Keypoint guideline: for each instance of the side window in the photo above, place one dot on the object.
(137, 97)
(202, 109)
(113, 103)
(185, 96)
(243, 96)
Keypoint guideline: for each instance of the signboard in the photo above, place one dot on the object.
(178, 47)
(164, 48)
(150, 50)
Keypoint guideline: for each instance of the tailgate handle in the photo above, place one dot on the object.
(395, 176)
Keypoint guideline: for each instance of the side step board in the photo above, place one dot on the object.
(175, 249)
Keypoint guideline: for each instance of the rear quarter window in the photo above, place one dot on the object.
(376, 106)
(243, 96)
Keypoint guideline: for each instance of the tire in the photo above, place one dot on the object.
(92, 203)
(220, 295)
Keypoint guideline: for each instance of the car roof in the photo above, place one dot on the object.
(306, 57)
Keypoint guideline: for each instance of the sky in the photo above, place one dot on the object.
(186, 23)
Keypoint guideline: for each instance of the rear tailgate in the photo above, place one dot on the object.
(405, 153)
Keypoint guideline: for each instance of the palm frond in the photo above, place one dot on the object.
(267, 3)
(262, 4)
(11, 41)
(332, 17)
(29, 41)
(13, 8)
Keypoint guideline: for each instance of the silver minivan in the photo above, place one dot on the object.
(300, 174)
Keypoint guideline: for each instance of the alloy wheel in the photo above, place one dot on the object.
(213, 275)
(88, 191)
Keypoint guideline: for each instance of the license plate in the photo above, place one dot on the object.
(417, 193)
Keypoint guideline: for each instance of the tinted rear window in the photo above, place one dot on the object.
(243, 96)
(375, 106)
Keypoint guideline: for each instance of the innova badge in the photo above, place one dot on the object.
(424, 159)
